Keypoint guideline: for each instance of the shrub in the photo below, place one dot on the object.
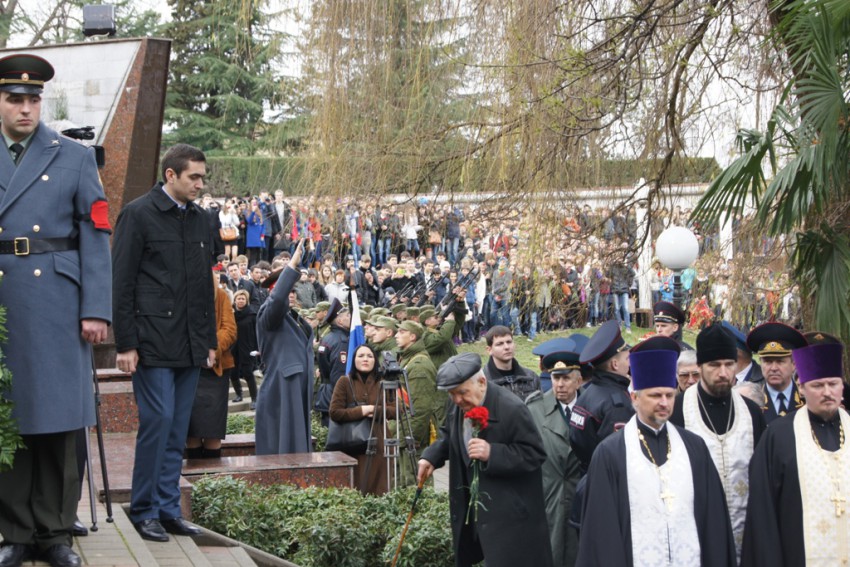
(239, 423)
(327, 527)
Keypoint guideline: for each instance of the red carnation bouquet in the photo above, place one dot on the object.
(478, 418)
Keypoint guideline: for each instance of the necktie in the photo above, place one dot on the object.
(17, 149)
(783, 409)
(565, 413)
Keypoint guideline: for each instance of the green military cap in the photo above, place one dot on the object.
(366, 309)
(23, 73)
(413, 312)
(413, 327)
(425, 313)
(311, 314)
(386, 322)
(379, 311)
(323, 306)
(398, 308)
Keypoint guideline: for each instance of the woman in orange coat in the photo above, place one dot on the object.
(208, 424)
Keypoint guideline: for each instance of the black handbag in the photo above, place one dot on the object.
(350, 437)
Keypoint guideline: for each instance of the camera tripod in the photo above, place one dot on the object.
(398, 410)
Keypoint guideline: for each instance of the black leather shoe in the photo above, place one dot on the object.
(13, 554)
(151, 530)
(79, 530)
(61, 555)
(237, 399)
(179, 526)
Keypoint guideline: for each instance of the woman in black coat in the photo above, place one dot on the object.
(246, 343)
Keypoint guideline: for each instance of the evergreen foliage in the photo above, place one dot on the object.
(222, 78)
(10, 440)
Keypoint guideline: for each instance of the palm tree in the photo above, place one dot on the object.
(795, 173)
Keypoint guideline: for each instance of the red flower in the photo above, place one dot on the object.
(479, 417)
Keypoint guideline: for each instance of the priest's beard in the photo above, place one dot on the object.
(718, 389)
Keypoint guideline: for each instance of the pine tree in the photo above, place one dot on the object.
(223, 82)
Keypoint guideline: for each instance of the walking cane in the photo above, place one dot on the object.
(109, 518)
(409, 517)
(92, 489)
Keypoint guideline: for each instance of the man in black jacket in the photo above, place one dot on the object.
(503, 369)
(165, 330)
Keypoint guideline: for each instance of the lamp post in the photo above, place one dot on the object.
(677, 248)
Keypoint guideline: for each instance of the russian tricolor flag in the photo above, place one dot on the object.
(357, 335)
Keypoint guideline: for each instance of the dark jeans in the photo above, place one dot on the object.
(165, 397)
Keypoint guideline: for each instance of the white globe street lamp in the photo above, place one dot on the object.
(677, 248)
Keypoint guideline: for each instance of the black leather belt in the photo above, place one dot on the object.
(24, 246)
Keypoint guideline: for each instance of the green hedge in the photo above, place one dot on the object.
(327, 527)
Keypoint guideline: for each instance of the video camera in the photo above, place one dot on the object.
(87, 133)
(389, 365)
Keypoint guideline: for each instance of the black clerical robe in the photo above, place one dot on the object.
(773, 534)
(606, 537)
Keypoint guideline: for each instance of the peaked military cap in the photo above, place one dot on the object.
(24, 74)
(666, 312)
(561, 362)
(775, 340)
(605, 343)
(335, 309)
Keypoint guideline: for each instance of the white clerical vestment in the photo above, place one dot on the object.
(731, 453)
(825, 490)
(661, 504)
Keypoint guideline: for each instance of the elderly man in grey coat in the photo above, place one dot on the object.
(561, 471)
(286, 345)
(56, 269)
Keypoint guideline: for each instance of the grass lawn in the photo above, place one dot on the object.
(524, 346)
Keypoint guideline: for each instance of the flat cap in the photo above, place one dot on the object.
(457, 370)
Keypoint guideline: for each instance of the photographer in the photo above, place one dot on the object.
(357, 397)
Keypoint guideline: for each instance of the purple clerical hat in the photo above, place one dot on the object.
(818, 361)
(653, 369)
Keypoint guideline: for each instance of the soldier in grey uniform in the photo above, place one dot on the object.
(56, 270)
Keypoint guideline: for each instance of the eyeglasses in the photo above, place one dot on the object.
(691, 374)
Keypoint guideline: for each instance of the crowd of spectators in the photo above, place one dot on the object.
(532, 272)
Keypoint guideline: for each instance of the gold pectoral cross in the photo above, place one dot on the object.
(839, 504)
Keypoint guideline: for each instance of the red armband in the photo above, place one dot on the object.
(100, 216)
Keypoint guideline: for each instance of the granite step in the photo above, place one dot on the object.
(330, 469)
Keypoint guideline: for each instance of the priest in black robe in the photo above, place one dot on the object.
(606, 536)
(774, 535)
